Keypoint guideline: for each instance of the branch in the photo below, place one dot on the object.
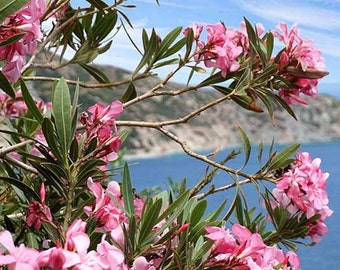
(85, 84)
(20, 164)
(6, 150)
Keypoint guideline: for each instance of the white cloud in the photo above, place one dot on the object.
(295, 11)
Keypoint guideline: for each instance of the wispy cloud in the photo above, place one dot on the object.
(308, 14)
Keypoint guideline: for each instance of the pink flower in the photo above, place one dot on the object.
(111, 256)
(196, 28)
(26, 21)
(101, 125)
(298, 57)
(87, 260)
(58, 258)
(303, 189)
(222, 48)
(39, 212)
(141, 263)
(224, 241)
(77, 226)
(17, 257)
(109, 214)
(249, 243)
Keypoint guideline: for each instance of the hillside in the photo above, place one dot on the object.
(317, 122)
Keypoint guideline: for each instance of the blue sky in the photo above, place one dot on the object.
(317, 20)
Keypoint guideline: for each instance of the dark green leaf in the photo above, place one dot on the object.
(198, 212)
(128, 196)
(104, 25)
(31, 105)
(22, 186)
(91, 147)
(130, 93)
(9, 7)
(150, 49)
(9, 225)
(74, 150)
(96, 73)
(168, 40)
(12, 39)
(148, 221)
(270, 44)
(6, 86)
(62, 115)
(246, 145)
(283, 158)
(51, 139)
(98, 4)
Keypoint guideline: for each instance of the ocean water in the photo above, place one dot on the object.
(150, 172)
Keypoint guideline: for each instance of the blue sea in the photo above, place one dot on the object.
(150, 172)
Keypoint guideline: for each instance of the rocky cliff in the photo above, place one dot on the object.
(317, 122)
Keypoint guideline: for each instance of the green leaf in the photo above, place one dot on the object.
(98, 4)
(31, 105)
(168, 40)
(9, 7)
(12, 39)
(104, 25)
(282, 158)
(62, 115)
(51, 139)
(32, 240)
(96, 73)
(246, 145)
(148, 219)
(6, 86)
(269, 44)
(21, 186)
(130, 93)
(128, 196)
(150, 48)
(198, 212)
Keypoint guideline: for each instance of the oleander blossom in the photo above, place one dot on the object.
(300, 63)
(25, 22)
(110, 216)
(303, 189)
(100, 124)
(222, 48)
(241, 249)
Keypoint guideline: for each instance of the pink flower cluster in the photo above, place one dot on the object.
(222, 48)
(27, 22)
(303, 190)
(75, 253)
(300, 63)
(110, 216)
(16, 107)
(300, 54)
(240, 249)
(101, 125)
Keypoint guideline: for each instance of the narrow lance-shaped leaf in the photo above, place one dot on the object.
(169, 39)
(130, 93)
(62, 114)
(49, 134)
(22, 186)
(246, 145)
(31, 105)
(127, 193)
(96, 73)
(6, 86)
(282, 158)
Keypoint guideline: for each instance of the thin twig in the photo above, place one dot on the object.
(20, 164)
(6, 150)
